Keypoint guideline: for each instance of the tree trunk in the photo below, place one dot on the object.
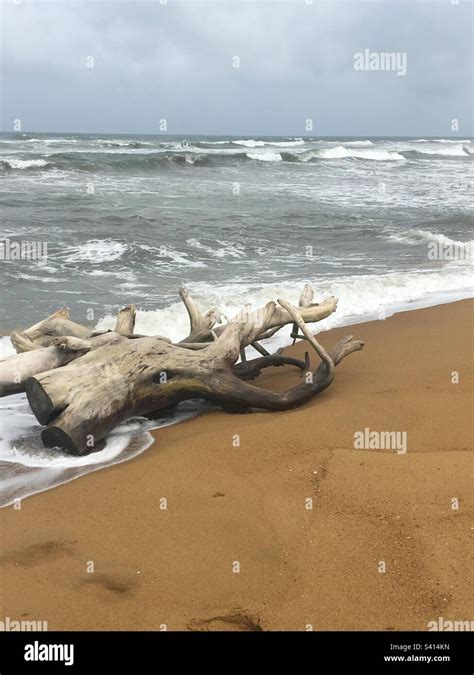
(82, 384)
(83, 401)
(15, 370)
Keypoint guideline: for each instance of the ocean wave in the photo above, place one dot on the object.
(227, 249)
(359, 143)
(265, 156)
(136, 161)
(124, 162)
(456, 150)
(66, 141)
(360, 298)
(94, 251)
(441, 140)
(23, 163)
(100, 251)
(181, 259)
(286, 144)
(416, 236)
(135, 145)
(341, 152)
(250, 143)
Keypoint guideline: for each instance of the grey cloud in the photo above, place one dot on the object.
(174, 61)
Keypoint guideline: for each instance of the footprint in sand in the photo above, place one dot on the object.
(116, 584)
(236, 621)
(35, 554)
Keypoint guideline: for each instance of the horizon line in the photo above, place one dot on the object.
(233, 135)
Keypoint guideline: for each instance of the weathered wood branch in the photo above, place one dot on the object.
(249, 370)
(15, 370)
(43, 333)
(82, 384)
(85, 400)
(235, 395)
(125, 323)
(201, 325)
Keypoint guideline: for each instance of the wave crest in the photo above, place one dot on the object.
(342, 152)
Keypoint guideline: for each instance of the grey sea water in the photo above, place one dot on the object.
(130, 218)
(127, 219)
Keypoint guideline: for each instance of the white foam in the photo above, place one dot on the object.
(227, 250)
(359, 143)
(441, 140)
(95, 251)
(66, 141)
(171, 321)
(217, 151)
(359, 296)
(286, 144)
(250, 143)
(182, 260)
(192, 159)
(28, 468)
(24, 163)
(450, 151)
(341, 152)
(265, 156)
(6, 347)
(416, 236)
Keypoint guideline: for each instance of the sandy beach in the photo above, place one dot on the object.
(237, 546)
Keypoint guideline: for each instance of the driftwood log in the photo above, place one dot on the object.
(81, 384)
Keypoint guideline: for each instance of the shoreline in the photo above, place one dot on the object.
(246, 504)
(428, 301)
(447, 298)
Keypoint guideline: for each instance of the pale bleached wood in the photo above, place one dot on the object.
(85, 400)
(83, 383)
(15, 370)
(296, 316)
(125, 322)
(43, 333)
(201, 324)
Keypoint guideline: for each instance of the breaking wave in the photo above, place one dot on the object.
(265, 156)
(341, 152)
(361, 298)
(23, 163)
(128, 158)
(250, 143)
(416, 236)
(457, 150)
(94, 251)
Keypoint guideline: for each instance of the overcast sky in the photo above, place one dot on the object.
(175, 61)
